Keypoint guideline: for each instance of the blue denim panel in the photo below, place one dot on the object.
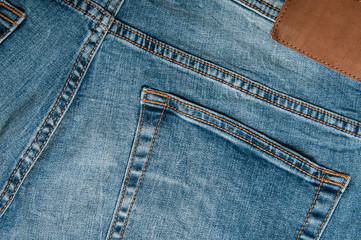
(42, 65)
(210, 179)
(72, 191)
(238, 38)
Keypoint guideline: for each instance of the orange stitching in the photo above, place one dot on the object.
(52, 110)
(233, 75)
(158, 103)
(328, 213)
(106, 7)
(66, 104)
(313, 204)
(141, 176)
(115, 9)
(130, 168)
(250, 5)
(318, 59)
(268, 5)
(211, 124)
(245, 130)
(100, 10)
(8, 19)
(229, 84)
(99, 22)
(161, 94)
(17, 13)
(277, 38)
(6, 33)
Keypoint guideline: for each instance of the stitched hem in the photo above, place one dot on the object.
(11, 18)
(264, 9)
(144, 141)
(54, 117)
(236, 81)
(289, 160)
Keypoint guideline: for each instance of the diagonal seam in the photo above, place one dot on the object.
(240, 89)
(48, 117)
(245, 140)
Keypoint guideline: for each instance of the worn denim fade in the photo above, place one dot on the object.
(142, 119)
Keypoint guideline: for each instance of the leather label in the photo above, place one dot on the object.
(327, 31)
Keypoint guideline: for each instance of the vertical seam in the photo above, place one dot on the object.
(55, 123)
(328, 213)
(141, 176)
(313, 204)
(128, 174)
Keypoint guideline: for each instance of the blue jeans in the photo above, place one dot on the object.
(165, 119)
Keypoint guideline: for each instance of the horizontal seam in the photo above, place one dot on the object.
(7, 19)
(268, 5)
(229, 84)
(17, 13)
(211, 124)
(233, 75)
(258, 9)
(255, 135)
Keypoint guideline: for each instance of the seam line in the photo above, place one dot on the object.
(7, 19)
(17, 13)
(258, 9)
(245, 130)
(7, 32)
(328, 213)
(313, 204)
(268, 5)
(99, 22)
(128, 174)
(233, 75)
(141, 176)
(245, 140)
(243, 90)
(48, 117)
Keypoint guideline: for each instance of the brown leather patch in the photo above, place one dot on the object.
(327, 31)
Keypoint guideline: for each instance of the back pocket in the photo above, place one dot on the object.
(196, 174)
(10, 18)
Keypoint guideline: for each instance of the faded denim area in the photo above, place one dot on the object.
(171, 119)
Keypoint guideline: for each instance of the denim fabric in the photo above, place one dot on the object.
(171, 119)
